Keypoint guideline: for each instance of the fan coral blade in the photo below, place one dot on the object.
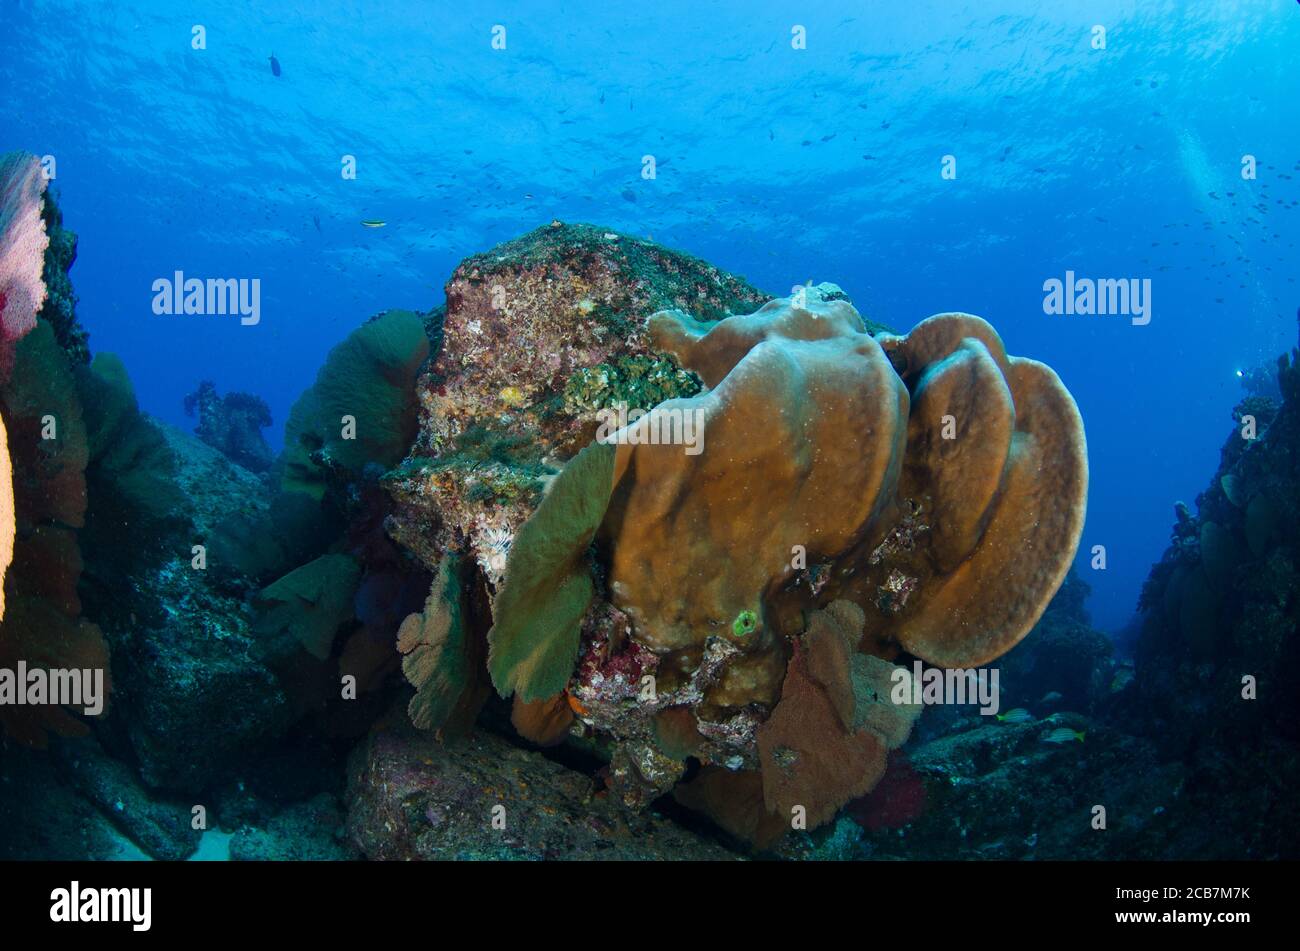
(370, 377)
(22, 250)
(37, 633)
(809, 759)
(545, 722)
(439, 656)
(310, 602)
(8, 521)
(548, 586)
(47, 432)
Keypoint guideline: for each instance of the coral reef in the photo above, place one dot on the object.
(187, 559)
(232, 424)
(735, 603)
(705, 644)
(1219, 643)
(1221, 604)
(1204, 724)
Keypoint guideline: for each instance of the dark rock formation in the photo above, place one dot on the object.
(232, 424)
(162, 828)
(193, 697)
(312, 831)
(60, 307)
(411, 797)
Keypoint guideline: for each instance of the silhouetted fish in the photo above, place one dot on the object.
(275, 65)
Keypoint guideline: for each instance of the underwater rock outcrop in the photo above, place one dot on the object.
(411, 798)
(1219, 641)
(538, 336)
(1221, 604)
(232, 424)
(60, 307)
(673, 592)
(195, 695)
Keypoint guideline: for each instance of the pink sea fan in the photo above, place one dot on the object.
(22, 250)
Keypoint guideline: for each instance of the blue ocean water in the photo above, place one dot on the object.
(782, 164)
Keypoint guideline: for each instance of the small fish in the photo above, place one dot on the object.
(373, 223)
(1052, 697)
(275, 65)
(315, 219)
(1018, 715)
(629, 195)
(1063, 734)
(1123, 677)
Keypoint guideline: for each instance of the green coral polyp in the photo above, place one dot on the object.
(746, 623)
